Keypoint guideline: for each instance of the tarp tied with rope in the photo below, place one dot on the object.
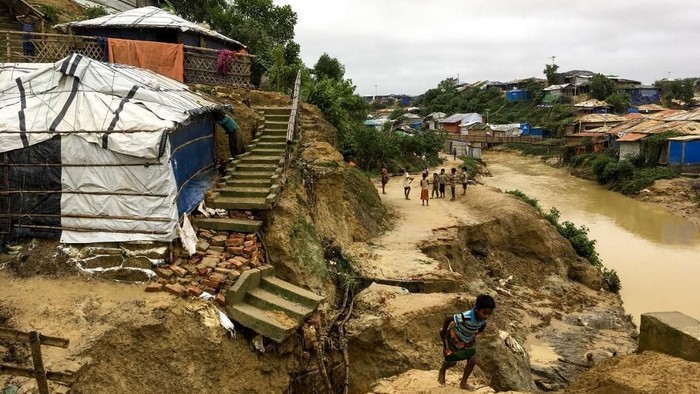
(96, 152)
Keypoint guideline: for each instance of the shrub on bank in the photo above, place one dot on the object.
(577, 237)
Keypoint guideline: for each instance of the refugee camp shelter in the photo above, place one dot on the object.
(153, 24)
(97, 152)
(684, 152)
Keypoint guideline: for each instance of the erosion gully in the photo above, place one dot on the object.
(656, 254)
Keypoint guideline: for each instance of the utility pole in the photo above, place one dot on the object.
(552, 57)
(375, 91)
(669, 75)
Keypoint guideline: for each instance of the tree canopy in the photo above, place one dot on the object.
(553, 77)
(682, 90)
(329, 67)
(602, 87)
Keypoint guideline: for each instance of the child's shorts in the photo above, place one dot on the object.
(454, 349)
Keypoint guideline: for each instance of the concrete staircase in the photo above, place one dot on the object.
(269, 306)
(251, 182)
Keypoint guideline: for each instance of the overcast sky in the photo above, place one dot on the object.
(408, 46)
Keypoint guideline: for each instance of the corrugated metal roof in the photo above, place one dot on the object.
(592, 103)
(587, 134)
(650, 126)
(602, 118)
(631, 137)
(692, 115)
(149, 17)
(556, 87)
(461, 118)
(686, 138)
(651, 107)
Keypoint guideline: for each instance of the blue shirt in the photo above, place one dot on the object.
(467, 326)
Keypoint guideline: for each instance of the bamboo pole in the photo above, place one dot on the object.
(39, 372)
(8, 333)
(30, 373)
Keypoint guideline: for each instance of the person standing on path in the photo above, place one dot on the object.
(454, 154)
(424, 185)
(385, 177)
(442, 179)
(425, 162)
(436, 186)
(407, 179)
(464, 178)
(453, 183)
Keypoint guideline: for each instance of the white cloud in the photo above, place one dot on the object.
(409, 46)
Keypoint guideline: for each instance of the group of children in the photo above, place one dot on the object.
(439, 183)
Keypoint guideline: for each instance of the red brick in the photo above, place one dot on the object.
(177, 290)
(250, 237)
(235, 242)
(249, 251)
(248, 244)
(179, 271)
(210, 283)
(164, 273)
(235, 250)
(194, 291)
(223, 271)
(218, 277)
(218, 240)
(154, 288)
(202, 270)
(234, 275)
(237, 264)
(221, 299)
(209, 290)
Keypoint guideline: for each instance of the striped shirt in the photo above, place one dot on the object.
(453, 180)
(466, 325)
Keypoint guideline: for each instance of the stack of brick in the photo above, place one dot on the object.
(220, 259)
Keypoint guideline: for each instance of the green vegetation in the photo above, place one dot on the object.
(602, 87)
(472, 165)
(307, 247)
(577, 237)
(50, 12)
(682, 90)
(95, 12)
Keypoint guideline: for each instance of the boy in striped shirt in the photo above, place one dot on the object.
(458, 336)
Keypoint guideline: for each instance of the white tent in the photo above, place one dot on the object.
(97, 152)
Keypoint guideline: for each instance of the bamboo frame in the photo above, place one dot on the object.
(35, 340)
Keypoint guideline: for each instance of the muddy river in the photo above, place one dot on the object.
(656, 254)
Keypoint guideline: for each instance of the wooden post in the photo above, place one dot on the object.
(9, 50)
(40, 373)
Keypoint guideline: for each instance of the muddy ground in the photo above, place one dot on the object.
(679, 196)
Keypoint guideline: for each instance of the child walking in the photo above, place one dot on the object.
(453, 183)
(424, 185)
(458, 336)
(464, 178)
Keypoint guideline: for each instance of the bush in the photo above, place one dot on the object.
(50, 13)
(524, 197)
(613, 281)
(472, 165)
(95, 12)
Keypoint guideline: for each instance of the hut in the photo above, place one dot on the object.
(684, 152)
(98, 152)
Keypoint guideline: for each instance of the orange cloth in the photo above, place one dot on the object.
(165, 59)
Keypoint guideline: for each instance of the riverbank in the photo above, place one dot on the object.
(646, 245)
(550, 308)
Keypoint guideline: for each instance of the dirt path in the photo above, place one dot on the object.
(396, 254)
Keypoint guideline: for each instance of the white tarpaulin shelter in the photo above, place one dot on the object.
(96, 152)
(149, 18)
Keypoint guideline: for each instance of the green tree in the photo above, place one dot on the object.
(553, 78)
(602, 87)
(329, 67)
(395, 114)
(620, 102)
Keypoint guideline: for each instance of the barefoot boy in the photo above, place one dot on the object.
(459, 337)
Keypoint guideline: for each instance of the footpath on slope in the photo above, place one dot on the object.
(550, 300)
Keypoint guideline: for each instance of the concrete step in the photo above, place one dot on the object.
(231, 191)
(271, 324)
(277, 118)
(275, 132)
(247, 167)
(265, 300)
(290, 292)
(276, 125)
(264, 151)
(276, 139)
(260, 159)
(271, 145)
(240, 203)
(249, 175)
(252, 183)
(228, 224)
(275, 110)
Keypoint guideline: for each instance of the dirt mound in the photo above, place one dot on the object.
(646, 373)
(679, 196)
(425, 382)
(394, 331)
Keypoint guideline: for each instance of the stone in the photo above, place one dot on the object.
(218, 240)
(234, 275)
(104, 261)
(151, 250)
(92, 251)
(183, 281)
(672, 333)
(175, 289)
(206, 234)
(202, 246)
(221, 299)
(223, 271)
(217, 249)
(154, 288)
(210, 262)
(137, 262)
(164, 273)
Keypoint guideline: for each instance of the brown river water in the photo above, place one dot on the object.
(656, 254)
